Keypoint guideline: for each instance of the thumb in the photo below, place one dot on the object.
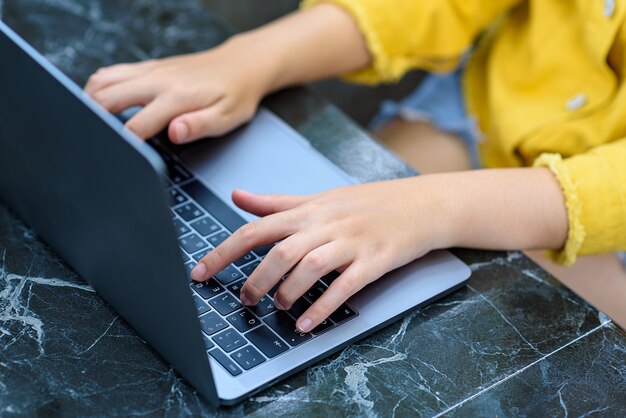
(211, 121)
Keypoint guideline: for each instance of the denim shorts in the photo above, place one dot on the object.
(439, 100)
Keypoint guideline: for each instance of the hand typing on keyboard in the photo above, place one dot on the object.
(361, 231)
(209, 93)
(198, 95)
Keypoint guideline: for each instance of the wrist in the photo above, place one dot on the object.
(441, 210)
(316, 43)
(426, 215)
(259, 63)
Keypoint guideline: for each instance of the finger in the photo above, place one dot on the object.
(311, 268)
(266, 204)
(154, 117)
(213, 120)
(252, 235)
(347, 284)
(278, 262)
(124, 95)
(104, 77)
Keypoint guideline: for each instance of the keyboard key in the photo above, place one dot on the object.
(200, 305)
(161, 149)
(262, 251)
(177, 172)
(205, 226)
(330, 277)
(214, 205)
(228, 275)
(226, 362)
(208, 344)
(342, 314)
(274, 289)
(200, 255)
(266, 341)
(189, 212)
(207, 289)
(285, 327)
(225, 303)
(247, 270)
(235, 288)
(229, 340)
(181, 228)
(192, 243)
(218, 238)
(212, 323)
(243, 320)
(189, 266)
(323, 326)
(315, 292)
(245, 260)
(264, 307)
(248, 357)
(299, 307)
(176, 197)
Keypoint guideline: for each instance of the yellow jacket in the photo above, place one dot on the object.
(546, 83)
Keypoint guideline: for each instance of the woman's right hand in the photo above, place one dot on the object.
(210, 93)
(198, 95)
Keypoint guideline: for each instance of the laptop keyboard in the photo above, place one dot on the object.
(237, 337)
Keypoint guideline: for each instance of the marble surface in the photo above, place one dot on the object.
(512, 343)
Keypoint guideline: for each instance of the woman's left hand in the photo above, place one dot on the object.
(367, 230)
(362, 231)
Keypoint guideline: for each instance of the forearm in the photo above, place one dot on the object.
(320, 42)
(501, 209)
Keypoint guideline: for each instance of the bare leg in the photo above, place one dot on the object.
(599, 279)
(424, 147)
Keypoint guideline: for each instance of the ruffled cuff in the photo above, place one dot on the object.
(386, 67)
(576, 234)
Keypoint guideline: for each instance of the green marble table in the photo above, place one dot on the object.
(513, 342)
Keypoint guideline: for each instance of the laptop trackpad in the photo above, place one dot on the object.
(265, 156)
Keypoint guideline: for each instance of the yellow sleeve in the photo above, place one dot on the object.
(594, 184)
(406, 34)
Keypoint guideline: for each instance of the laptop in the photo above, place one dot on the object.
(132, 217)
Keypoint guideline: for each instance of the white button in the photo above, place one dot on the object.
(576, 102)
(609, 8)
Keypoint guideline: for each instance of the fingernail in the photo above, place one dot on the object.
(198, 272)
(279, 305)
(244, 299)
(182, 131)
(305, 325)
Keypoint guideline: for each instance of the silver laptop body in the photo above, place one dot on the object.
(98, 195)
